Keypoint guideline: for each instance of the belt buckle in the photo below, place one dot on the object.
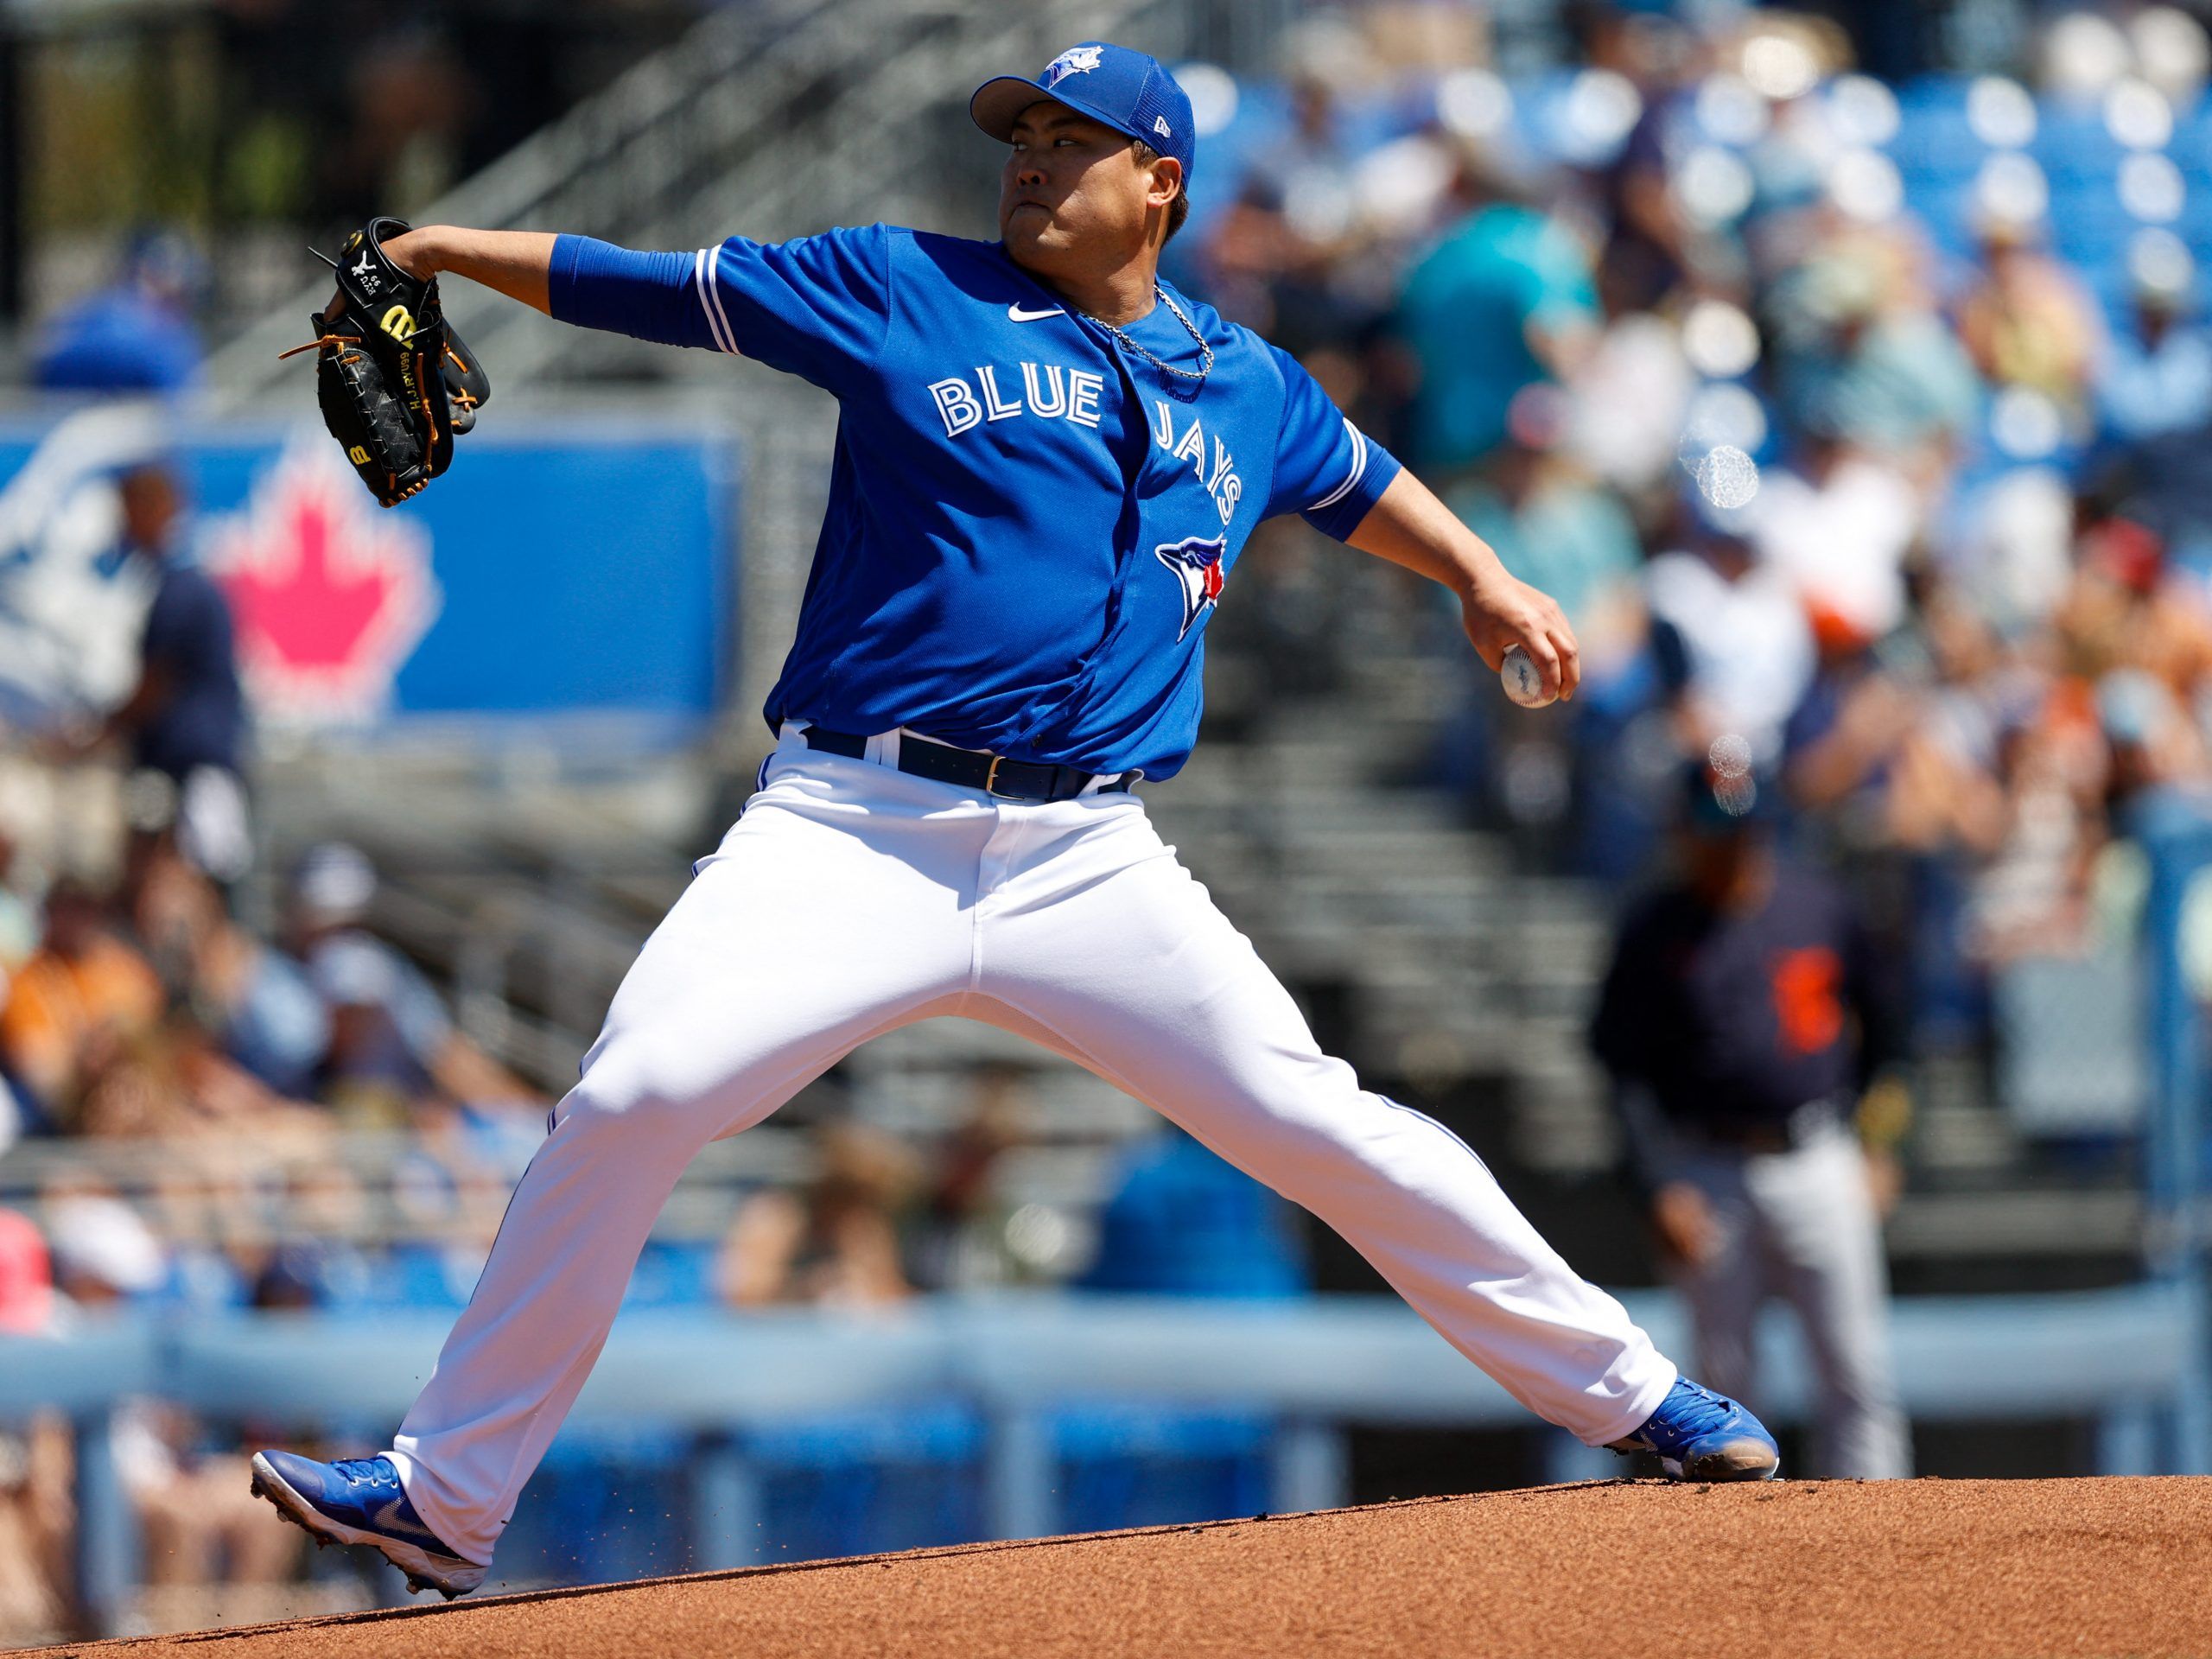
(991, 776)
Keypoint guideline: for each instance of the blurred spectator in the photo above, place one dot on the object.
(75, 1005)
(1652, 250)
(2156, 377)
(2128, 608)
(1919, 751)
(251, 999)
(36, 1518)
(34, 1514)
(439, 1266)
(2029, 323)
(1630, 396)
(1280, 257)
(1728, 631)
(2159, 483)
(186, 717)
(104, 1254)
(318, 1260)
(1838, 526)
(85, 1027)
(391, 1038)
(27, 1298)
(2154, 745)
(2009, 546)
(1743, 1021)
(445, 1160)
(962, 1239)
(19, 923)
(1505, 300)
(207, 1212)
(1862, 358)
(836, 1244)
(1180, 1222)
(200, 1524)
(135, 336)
(1549, 524)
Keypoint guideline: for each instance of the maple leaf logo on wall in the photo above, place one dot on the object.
(329, 597)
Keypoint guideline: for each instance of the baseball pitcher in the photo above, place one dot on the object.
(1047, 464)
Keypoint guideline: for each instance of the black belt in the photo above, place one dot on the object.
(1012, 780)
(1789, 1132)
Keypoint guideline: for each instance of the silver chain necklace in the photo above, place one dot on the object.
(1205, 352)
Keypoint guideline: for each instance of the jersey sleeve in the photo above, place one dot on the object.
(1326, 468)
(818, 306)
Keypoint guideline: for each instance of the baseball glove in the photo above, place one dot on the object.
(395, 382)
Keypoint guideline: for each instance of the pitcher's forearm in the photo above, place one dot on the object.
(1410, 527)
(515, 262)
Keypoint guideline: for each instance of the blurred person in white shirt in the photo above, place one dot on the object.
(1729, 631)
(1840, 524)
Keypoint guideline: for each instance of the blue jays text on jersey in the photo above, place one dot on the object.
(1028, 525)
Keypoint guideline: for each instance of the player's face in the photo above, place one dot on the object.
(1071, 190)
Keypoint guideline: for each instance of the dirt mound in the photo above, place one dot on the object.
(1803, 1568)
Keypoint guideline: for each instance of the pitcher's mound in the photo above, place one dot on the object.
(1613, 1571)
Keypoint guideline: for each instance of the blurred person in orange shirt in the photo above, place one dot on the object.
(81, 996)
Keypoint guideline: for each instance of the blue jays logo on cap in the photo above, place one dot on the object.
(1075, 61)
(1128, 91)
(1195, 563)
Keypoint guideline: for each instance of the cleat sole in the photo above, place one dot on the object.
(420, 1570)
(1745, 1460)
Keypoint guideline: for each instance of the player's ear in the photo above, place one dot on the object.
(1166, 181)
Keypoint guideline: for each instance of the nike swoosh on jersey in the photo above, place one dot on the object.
(1020, 316)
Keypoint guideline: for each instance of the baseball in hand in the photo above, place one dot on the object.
(1525, 681)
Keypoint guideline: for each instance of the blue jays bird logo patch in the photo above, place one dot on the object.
(1075, 61)
(1195, 563)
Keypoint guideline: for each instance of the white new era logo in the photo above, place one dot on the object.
(1159, 125)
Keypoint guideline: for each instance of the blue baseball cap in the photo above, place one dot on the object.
(1127, 91)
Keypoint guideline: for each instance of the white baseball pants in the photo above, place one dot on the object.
(850, 900)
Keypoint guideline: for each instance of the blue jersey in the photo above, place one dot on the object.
(1028, 525)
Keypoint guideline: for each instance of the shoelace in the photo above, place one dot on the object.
(369, 1473)
(1696, 1411)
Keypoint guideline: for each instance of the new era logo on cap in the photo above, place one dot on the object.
(1128, 91)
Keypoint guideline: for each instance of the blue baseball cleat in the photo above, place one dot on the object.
(1701, 1435)
(361, 1501)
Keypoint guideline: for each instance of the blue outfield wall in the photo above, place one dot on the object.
(555, 569)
